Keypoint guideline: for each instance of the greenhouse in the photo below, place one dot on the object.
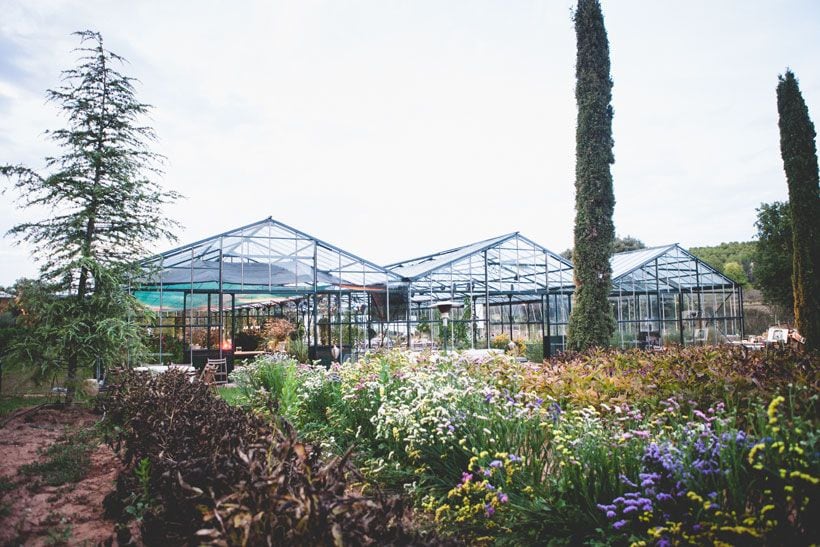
(269, 286)
(215, 295)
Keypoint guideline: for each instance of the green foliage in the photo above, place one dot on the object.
(734, 271)
(523, 453)
(740, 252)
(225, 476)
(104, 324)
(270, 377)
(234, 396)
(627, 243)
(591, 323)
(619, 245)
(109, 213)
(67, 460)
(10, 404)
(773, 255)
(535, 351)
(799, 153)
(461, 328)
(298, 349)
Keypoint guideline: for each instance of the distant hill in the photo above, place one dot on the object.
(718, 256)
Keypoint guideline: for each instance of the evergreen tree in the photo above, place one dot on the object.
(592, 323)
(799, 152)
(628, 243)
(773, 256)
(106, 210)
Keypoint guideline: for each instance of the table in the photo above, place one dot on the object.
(160, 369)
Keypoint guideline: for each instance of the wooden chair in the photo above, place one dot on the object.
(207, 374)
(220, 370)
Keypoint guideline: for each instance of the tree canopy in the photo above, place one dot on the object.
(718, 256)
(107, 209)
(773, 255)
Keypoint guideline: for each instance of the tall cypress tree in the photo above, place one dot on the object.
(799, 152)
(592, 323)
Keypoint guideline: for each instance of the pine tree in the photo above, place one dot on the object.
(799, 152)
(592, 323)
(106, 210)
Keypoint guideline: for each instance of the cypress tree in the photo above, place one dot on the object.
(799, 152)
(591, 322)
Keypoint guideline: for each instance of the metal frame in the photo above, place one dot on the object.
(259, 265)
(511, 284)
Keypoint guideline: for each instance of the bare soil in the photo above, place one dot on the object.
(33, 513)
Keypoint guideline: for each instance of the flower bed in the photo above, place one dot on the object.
(687, 446)
(201, 472)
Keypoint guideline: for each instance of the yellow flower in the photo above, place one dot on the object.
(805, 476)
(753, 452)
(772, 410)
(694, 497)
(441, 510)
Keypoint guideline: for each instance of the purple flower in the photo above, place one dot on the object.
(619, 524)
(514, 458)
(496, 463)
(555, 411)
(489, 510)
(466, 477)
(487, 473)
(489, 486)
(610, 514)
(503, 498)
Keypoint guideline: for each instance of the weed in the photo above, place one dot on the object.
(67, 460)
(6, 484)
(140, 501)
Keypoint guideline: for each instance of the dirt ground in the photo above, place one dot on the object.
(38, 514)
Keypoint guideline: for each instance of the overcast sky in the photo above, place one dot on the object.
(398, 128)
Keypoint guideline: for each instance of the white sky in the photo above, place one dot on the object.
(398, 128)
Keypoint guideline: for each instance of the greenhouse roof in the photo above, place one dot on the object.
(504, 265)
(267, 259)
(665, 268)
(268, 262)
(416, 268)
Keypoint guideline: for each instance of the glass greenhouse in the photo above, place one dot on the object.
(222, 297)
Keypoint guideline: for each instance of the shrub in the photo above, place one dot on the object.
(220, 475)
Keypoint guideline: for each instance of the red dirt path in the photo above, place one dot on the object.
(37, 514)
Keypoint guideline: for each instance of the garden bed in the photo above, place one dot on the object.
(694, 445)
